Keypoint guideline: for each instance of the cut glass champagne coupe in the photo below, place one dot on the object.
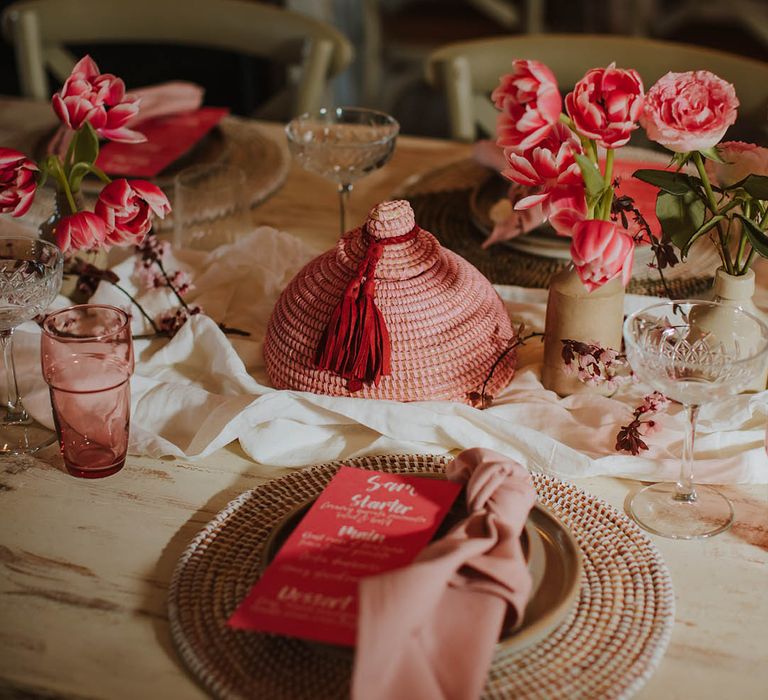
(342, 145)
(30, 279)
(693, 352)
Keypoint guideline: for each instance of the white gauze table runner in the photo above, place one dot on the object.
(197, 392)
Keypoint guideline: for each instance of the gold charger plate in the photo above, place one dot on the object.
(550, 550)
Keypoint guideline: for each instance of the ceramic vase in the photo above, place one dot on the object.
(737, 290)
(577, 314)
(97, 258)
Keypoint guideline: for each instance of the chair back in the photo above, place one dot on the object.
(39, 30)
(469, 71)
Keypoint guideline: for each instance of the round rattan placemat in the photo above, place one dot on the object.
(441, 200)
(607, 647)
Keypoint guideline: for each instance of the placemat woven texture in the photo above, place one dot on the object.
(441, 201)
(607, 648)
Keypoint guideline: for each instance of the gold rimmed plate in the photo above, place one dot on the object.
(550, 550)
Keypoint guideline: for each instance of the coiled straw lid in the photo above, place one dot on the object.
(389, 314)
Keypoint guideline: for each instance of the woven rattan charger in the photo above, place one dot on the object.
(441, 200)
(607, 648)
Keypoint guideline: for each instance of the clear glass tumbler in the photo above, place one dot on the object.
(87, 360)
(209, 206)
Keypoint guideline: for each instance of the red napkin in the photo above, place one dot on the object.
(429, 630)
(168, 138)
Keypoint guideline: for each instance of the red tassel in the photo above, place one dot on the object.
(355, 343)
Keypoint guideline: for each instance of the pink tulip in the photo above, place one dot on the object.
(17, 182)
(127, 209)
(740, 159)
(565, 207)
(89, 96)
(601, 251)
(689, 111)
(81, 231)
(606, 104)
(530, 103)
(548, 165)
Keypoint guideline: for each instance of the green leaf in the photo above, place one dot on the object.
(674, 183)
(704, 228)
(757, 238)
(680, 216)
(76, 175)
(593, 179)
(712, 154)
(756, 186)
(86, 145)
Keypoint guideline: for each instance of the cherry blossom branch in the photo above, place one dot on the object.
(481, 398)
(630, 437)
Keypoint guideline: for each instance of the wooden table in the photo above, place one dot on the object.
(85, 565)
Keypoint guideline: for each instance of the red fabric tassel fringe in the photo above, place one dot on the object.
(355, 344)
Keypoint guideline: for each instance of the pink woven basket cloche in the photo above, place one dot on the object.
(415, 321)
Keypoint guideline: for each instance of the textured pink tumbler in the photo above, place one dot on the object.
(87, 358)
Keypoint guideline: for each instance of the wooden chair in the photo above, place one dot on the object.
(39, 29)
(469, 71)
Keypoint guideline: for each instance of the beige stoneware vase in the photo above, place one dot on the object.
(577, 314)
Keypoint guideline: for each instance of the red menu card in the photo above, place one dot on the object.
(168, 138)
(363, 523)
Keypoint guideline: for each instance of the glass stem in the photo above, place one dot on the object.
(16, 411)
(344, 190)
(684, 490)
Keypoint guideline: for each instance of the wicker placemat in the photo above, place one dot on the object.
(607, 648)
(441, 201)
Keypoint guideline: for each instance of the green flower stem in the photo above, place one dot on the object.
(593, 153)
(565, 119)
(607, 176)
(712, 204)
(750, 258)
(61, 178)
(70, 153)
(99, 173)
(748, 212)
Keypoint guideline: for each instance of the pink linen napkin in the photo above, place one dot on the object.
(429, 630)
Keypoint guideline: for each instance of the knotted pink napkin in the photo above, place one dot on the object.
(429, 630)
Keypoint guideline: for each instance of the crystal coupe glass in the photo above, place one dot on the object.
(693, 352)
(342, 145)
(30, 279)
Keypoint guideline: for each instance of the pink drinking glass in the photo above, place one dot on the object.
(87, 359)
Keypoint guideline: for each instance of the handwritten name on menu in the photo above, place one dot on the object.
(362, 524)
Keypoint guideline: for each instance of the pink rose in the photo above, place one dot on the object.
(127, 209)
(17, 182)
(83, 230)
(548, 165)
(565, 207)
(530, 103)
(689, 111)
(601, 251)
(741, 159)
(89, 96)
(606, 104)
